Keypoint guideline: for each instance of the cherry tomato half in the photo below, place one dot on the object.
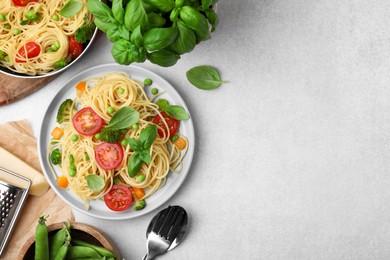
(109, 156)
(33, 50)
(87, 122)
(23, 2)
(75, 48)
(172, 123)
(118, 198)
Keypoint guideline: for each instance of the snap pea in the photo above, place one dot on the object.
(75, 252)
(63, 251)
(58, 240)
(41, 240)
(101, 250)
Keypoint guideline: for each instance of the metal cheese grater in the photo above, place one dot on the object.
(12, 198)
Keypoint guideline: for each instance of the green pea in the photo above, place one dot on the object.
(54, 47)
(73, 167)
(6, 59)
(135, 126)
(48, 50)
(55, 18)
(121, 90)
(124, 142)
(6, 16)
(74, 138)
(110, 110)
(87, 157)
(2, 17)
(7, 26)
(148, 82)
(71, 159)
(98, 136)
(16, 31)
(174, 138)
(140, 178)
(154, 91)
(72, 172)
(57, 44)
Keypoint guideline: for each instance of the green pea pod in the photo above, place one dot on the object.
(41, 240)
(163, 58)
(135, 15)
(196, 21)
(58, 240)
(101, 250)
(185, 41)
(163, 5)
(75, 252)
(159, 38)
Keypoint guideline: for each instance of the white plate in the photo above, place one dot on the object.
(98, 208)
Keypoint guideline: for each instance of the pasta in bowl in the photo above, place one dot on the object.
(39, 38)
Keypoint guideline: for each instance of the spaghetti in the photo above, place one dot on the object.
(48, 29)
(115, 91)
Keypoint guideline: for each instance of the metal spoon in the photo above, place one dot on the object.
(165, 231)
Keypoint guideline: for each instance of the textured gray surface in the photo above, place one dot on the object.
(292, 157)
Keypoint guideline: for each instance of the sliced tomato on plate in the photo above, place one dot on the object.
(32, 49)
(75, 48)
(109, 156)
(23, 2)
(173, 124)
(87, 122)
(118, 198)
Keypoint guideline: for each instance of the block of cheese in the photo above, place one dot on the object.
(12, 163)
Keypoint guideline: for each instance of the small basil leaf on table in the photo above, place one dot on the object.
(204, 77)
(135, 15)
(177, 112)
(125, 52)
(185, 41)
(134, 165)
(135, 145)
(147, 136)
(213, 19)
(196, 21)
(95, 182)
(155, 20)
(71, 8)
(118, 11)
(123, 118)
(159, 38)
(163, 58)
(163, 5)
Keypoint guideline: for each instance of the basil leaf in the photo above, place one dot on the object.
(163, 58)
(103, 26)
(135, 15)
(95, 182)
(147, 136)
(149, 8)
(185, 41)
(155, 21)
(163, 5)
(174, 14)
(135, 145)
(101, 11)
(116, 32)
(136, 37)
(134, 165)
(71, 8)
(195, 21)
(177, 112)
(206, 4)
(204, 77)
(145, 156)
(123, 118)
(159, 38)
(213, 19)
(125, 52)
(118, 11)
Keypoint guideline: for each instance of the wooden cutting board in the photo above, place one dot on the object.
(12, 88)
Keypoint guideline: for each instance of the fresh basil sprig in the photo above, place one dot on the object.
(95, 182)
(175, 111)
(204, 77)
(71, 8)
(123, 118)
(141, 148)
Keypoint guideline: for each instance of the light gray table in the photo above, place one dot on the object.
(293, 154)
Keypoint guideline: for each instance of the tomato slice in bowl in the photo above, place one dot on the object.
(32, 49)
(119, 198)
(173, 125)
(87, 122)
(109, 156)
(75, 48)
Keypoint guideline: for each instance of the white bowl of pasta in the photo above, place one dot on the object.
(107, 145)
(40, 38)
